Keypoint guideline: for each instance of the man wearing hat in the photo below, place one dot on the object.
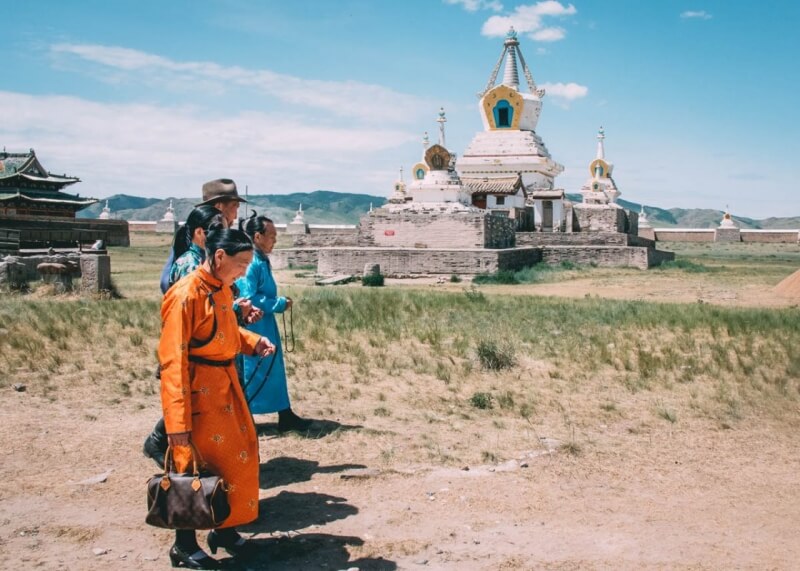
(221, 194)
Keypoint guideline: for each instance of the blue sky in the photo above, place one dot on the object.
(152, 98)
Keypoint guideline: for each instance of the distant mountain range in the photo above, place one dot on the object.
(319, 207)
(328, 207)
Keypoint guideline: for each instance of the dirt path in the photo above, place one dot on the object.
(659, 497)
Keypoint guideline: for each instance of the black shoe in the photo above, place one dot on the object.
(288, 420)
(236, 545)
(198, 560)
(154, 450)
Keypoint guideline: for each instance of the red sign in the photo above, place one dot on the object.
(388, 232)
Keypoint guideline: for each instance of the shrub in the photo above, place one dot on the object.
(495, 357)
(507, 277)
(455, 278)
(482, 401)
(474, 294)
(685, 265)
(372, 280)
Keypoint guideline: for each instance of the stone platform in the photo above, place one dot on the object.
(398, 262)
(623, 251)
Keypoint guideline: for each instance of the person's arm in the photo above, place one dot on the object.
(164, 282)
(256, 281)
(173, 356)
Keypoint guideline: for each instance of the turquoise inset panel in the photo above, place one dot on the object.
(503, 114)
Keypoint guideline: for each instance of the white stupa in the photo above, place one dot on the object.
(106, 213)
(435, 184)
(643, 221)
(600, 188)
(298, 224)
(727, 222)
(167, 224)
(169, 215)
(508, 145)
(399, 195)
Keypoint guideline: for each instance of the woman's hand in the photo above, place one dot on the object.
(288, 302)
(254, 315)
(264, 347)
(179, 439)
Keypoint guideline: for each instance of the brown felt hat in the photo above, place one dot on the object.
(218, 190)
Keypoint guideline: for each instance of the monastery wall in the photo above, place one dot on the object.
(401, 262)
(684, 234)
(726, 235)
(771, 236)
(35, 228)
(596, 218)
(407, 229)
(606, 256)
(581, 239)
(294, 258)
(326, 239)
(142, 225)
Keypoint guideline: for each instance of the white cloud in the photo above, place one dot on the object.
(549, 34)
(161, 151)
(698, 15)
(528, 20)
(343, 98)
(564, 93)
(475, 5)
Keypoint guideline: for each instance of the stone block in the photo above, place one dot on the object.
(296, 229)
(13, 274)
(727, 235)
(95, 273)
(166, 226)
(648, 233)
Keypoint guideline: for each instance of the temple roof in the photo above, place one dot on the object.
(497, 185)
(44, 197)
(25, 166)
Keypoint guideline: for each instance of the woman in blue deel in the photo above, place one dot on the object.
(265, 379)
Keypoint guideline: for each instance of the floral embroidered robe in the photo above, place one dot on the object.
(207, 399)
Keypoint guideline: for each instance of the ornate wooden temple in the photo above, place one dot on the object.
(35, 212)
(28, 189)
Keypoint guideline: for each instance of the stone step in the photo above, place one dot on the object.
(335, 280)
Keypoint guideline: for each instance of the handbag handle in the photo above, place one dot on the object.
(170, 463)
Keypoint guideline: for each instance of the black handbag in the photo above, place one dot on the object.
(186, 501)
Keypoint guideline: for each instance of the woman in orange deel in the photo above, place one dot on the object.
(202, 400)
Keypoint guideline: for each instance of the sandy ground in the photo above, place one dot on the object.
(663, 497)
(641, 494)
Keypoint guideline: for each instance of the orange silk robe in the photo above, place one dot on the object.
(208, 400)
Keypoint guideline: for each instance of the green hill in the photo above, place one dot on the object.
(328, 207)
(319, 207)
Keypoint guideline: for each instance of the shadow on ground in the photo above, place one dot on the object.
(319, 429)
(289, 511)
(284, 471)
(311, 551)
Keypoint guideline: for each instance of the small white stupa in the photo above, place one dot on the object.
(399, 195)
(168, 224)
(298, 224)
(643, 221)
(169, 215)
(106, 213)
(435, 184)
(600, 188)
(727, 222)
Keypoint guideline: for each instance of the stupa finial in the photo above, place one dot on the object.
(441, 120)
